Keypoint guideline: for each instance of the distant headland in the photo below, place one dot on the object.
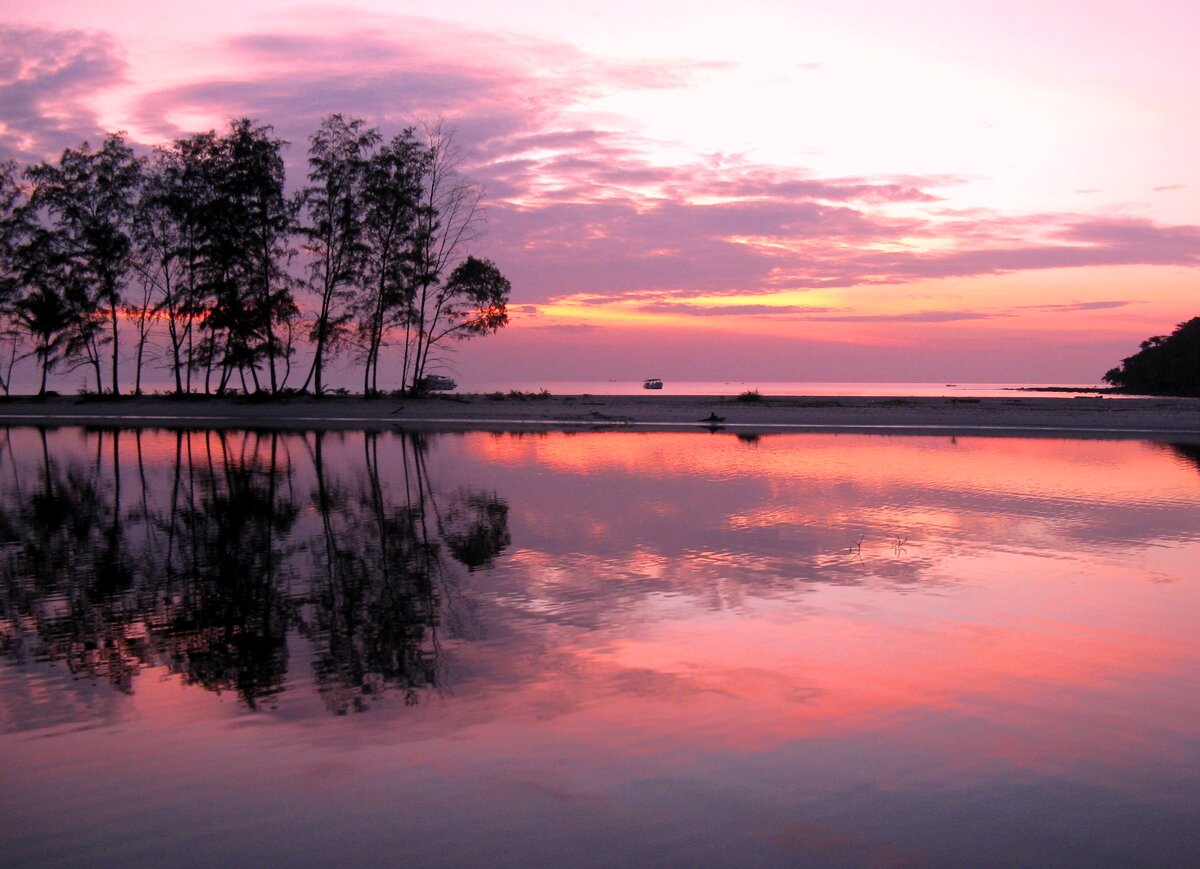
(1165, 364)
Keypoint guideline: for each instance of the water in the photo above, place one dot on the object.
(773, 387)
(154, 385)
(238, 648)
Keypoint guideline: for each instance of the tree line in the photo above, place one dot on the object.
(198, 250)
(1164, 364)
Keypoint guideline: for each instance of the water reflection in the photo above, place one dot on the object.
(203, 553)
(209, 553)
(688, 649)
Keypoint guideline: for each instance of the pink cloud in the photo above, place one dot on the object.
(46, 80)
(1070, 307)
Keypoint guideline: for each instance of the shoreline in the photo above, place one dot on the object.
(1090, 416)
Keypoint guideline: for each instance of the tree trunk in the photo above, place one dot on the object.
(116, 388)
(176, 347)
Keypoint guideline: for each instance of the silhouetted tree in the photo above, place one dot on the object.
(14, 231)
(246, 247)
(43, 314)
(199, 238)
(1165, 365)
(472, 301)
(337, 159)
(448, 219)
(391, 194)
(88, 199)
(166, 230)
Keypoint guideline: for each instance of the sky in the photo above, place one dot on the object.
(824, 191)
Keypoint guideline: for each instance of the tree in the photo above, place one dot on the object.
(1165, 365)
(88, 199)
(473, 301)
(199, 238)
(14, 231)
(245, 244)
(167, 232)
(337, 159)
(391, 196)
(43, 311)
(447, 221)
(258, 175)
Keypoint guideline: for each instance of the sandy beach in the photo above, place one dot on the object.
(1152, 418)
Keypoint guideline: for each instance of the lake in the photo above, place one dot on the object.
(478, 649)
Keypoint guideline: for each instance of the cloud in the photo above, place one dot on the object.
(751, 310)
(394, 69)
(577, 209)
(47, 78)
(1156, 244)
(1073, 243)
(916, 317)
(842, 315)
(568, 328)
(1079, 306)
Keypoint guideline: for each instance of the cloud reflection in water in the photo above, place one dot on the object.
(705, 649)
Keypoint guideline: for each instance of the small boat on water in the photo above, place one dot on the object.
(437, 383)
(652, 383)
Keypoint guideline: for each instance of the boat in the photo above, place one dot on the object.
(437, 383)
(652, 383)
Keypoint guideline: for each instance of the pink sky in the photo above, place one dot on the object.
(816, 191)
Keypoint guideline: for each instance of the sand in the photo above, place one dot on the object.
(1176, 419)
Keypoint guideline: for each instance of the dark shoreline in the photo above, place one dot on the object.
(1090, 416)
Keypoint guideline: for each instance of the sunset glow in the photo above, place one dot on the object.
(850, 191)
(684, 639)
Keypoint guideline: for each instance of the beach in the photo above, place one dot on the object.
(1091, 416)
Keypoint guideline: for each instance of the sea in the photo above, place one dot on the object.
(783, 387)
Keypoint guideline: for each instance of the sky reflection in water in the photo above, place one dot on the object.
(597, 648)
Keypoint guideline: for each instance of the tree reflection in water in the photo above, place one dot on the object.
(208, 559)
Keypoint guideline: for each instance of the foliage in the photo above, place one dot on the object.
(391, 198)
(447, 220)
(473, 301)
(199, 238)
(13, 228)
(89, 198)
(335, 230)
(518, 395)
(750, 395)
(1165, 365)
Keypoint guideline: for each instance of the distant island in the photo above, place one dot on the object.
(1165, 365)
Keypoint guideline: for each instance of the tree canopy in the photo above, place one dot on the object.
(202, 241)
(1165, 364)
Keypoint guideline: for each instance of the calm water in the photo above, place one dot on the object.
(772, 387)
(597, 649)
